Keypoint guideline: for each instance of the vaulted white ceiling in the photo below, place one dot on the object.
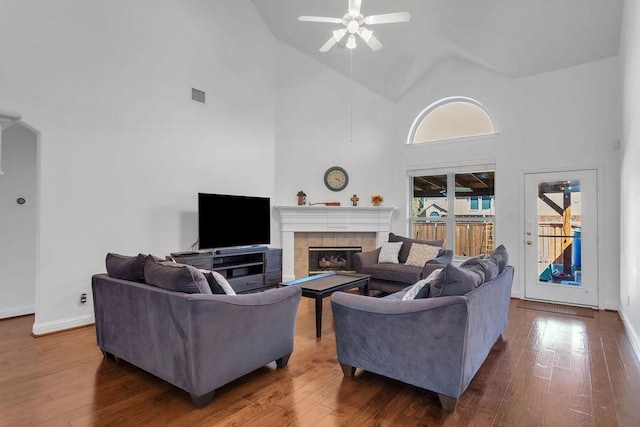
(514, 37)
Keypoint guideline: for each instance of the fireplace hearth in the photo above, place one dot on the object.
(323, 259)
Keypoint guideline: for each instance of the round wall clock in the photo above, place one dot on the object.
(336, 178)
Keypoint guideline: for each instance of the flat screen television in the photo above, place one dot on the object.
(231, 221)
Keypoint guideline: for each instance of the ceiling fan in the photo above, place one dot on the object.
(353, 22)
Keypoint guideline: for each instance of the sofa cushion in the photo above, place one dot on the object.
(500, 256)
(420, 253)
(389, 253)
(421, 288)
(218, 283)
(487, 267)
(175, 277)
(454, 280)
(394, 272)
(406, 245)
(126, 267)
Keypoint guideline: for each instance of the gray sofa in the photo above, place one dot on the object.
(436, 343)
(195, 341)
(391, 278)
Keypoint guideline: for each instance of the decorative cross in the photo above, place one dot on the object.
(354, 200)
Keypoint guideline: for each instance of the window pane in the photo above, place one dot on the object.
(468, 224)
(430, 207)
(452, 118)
(474, 203)
(486, 202)
(474, 227)
(559, 232)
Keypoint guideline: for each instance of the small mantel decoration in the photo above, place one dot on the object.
(376, 200)
(302, 198)
(354, 200)
(325, 203)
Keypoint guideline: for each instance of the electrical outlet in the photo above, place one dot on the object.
(83, 298)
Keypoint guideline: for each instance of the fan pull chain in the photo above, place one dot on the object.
(351, 95)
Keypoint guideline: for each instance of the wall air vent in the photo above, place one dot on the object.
(197, 95)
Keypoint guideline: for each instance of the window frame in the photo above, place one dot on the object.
(450, 219)
(439, 103)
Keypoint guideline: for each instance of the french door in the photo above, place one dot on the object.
(561, 236)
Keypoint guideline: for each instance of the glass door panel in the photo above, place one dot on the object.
(561, 229)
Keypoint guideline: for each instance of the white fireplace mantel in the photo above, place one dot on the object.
(332, 219)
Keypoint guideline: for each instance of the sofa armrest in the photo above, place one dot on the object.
(420, 342)
(362, 259)
(446, 257)
(233, 335)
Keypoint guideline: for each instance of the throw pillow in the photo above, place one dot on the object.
(500, 256)
(485, 266)
(454, 280)
(218, 283)
(420, 253)
(389, 253)
(421, 288)
(406, 246)
(126, 267)
(175, 277)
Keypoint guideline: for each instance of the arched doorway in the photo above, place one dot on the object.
(18, 196)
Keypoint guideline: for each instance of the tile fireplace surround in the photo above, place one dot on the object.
(304, 226)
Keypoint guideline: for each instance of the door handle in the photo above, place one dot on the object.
(529, 242)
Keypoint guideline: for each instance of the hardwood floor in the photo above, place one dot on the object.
(556, 370)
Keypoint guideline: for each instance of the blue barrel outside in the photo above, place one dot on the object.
(576, 252)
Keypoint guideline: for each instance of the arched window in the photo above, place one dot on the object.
(454, 117)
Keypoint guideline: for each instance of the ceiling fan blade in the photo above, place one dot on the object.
(320, 19)
(354, 7)
(339, 34)
(328, 45)
(370, 39)
(387, 18)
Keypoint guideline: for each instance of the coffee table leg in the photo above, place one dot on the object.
(318, 317)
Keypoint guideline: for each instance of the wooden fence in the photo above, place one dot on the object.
(472, 238)
(550, 246)
(477, 238)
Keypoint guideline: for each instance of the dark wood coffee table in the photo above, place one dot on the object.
(320, 286)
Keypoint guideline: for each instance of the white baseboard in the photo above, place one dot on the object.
(5, 313)
(61, 325)
(609, 305)
(631, 333)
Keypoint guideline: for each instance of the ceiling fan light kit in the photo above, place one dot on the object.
(353, 22)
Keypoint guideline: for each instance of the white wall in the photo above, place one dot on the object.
(123, 149)
(313, 134)
(566, 118)
(18, 222)
(630, 173)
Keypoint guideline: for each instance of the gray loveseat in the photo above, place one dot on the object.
(388, 277)
(434, 343)
(195, 341)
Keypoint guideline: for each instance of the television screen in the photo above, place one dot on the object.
(228, 221)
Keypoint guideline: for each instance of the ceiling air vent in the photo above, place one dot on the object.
(197, 95)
